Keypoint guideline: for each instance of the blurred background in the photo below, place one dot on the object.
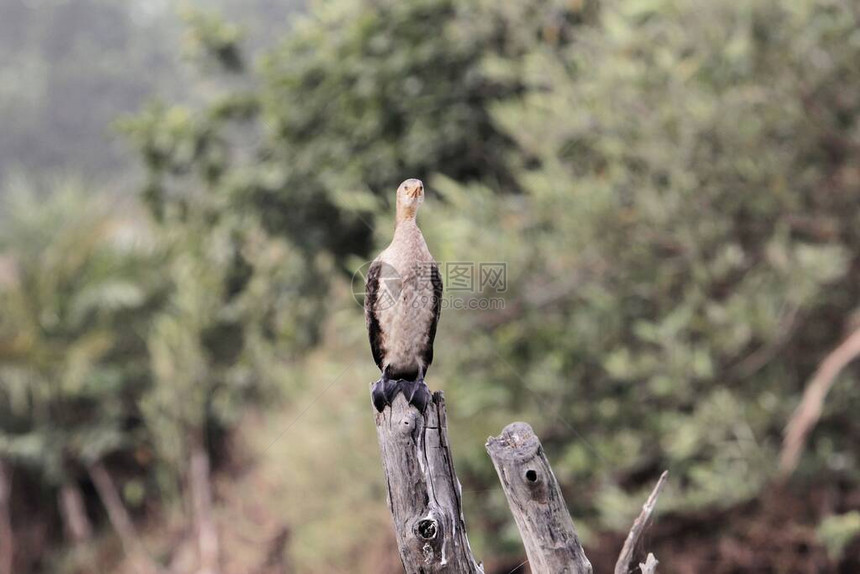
(187, 189)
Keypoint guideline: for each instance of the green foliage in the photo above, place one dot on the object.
(208, 37)
(357, 96)
(288, 174)
(362, 93)
(837, 530)
(684, 252)
(672, 185)
(234, 296)
(669, 184)
(73, 297)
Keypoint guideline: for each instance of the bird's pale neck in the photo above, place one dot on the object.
(405, 214)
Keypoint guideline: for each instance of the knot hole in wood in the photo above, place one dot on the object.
(426, 529)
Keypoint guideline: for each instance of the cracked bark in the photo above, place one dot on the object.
(534, 497)
(424, 495)
(425, 498)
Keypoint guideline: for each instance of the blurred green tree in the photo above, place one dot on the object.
(685, 251)
(76, 288)
(263, 194)
(358, 96)
(213, 347)
(672, 185)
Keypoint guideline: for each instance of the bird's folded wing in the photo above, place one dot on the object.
(436, 281)
(370, 312)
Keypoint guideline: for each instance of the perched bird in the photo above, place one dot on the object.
(402, 306)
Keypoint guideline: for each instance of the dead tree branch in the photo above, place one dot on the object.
(423, 490)
(626, 556)
(650, 565)
(549, 536)
(74, 513)
(424, 497)
(809, 410)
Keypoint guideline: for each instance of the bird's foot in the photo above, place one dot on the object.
(416, 393)
(383, 392)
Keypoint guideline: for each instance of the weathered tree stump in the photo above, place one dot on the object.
(424, 495)
(535, 499)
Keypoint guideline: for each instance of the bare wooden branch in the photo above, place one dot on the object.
(74, 513)
(650, 566)
(626, 556)
(809, 410)
(545, 525)
(424, 495)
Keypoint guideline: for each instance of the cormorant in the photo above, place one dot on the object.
(402, 306)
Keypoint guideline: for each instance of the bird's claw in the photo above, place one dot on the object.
(382, 393)
(416, 393)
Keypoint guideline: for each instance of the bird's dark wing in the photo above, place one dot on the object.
(374, 331)
(436, 281)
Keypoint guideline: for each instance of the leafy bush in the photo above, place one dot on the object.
(683, 255)
(75, 296)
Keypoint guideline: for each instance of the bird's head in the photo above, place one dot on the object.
(410, 196)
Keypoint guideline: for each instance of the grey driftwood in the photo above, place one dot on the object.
(552, 545)
(424, 497)
(423, 491)
(639, 525)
